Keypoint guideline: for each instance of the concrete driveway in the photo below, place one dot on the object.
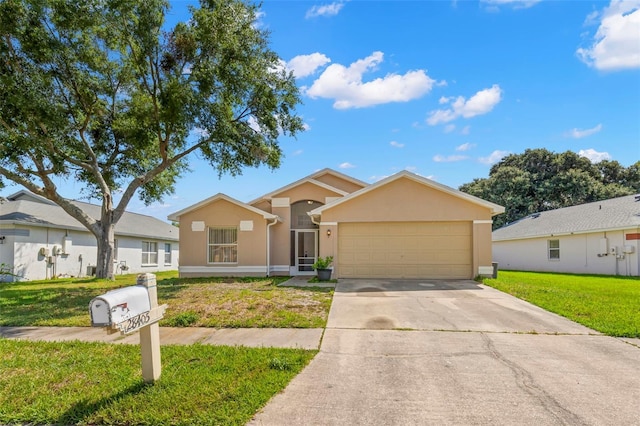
(457, 353)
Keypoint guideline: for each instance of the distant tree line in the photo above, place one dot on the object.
(539, 180)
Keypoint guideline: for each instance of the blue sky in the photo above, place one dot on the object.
(441, 88)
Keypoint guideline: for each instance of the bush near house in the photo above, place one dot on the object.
(608, 304)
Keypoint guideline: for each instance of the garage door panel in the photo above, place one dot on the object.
(405, 250)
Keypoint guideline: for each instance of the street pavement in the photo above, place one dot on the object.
(457, 353)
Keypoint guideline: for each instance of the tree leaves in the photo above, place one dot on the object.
(102, 92)
(539, 180)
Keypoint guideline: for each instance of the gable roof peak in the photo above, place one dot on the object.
(406, 174)
(220, 196)
(312, 178)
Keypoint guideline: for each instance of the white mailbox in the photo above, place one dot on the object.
(118, 306)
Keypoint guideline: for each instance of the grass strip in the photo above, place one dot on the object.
(608, 304)
(76, 383)
(196, 302)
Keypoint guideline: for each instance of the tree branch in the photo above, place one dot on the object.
(50, 192)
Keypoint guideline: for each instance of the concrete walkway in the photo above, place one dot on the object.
(457, 353)
(304, 338)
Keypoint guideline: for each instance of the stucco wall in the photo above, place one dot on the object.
(29, 263)
(252, 245)
(339, 183)
(405, 200)
(578, 254)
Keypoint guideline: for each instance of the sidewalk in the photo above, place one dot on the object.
(303, 338)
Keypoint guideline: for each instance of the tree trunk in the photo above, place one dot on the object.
(106, 252)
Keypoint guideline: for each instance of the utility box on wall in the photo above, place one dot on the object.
(66, 245)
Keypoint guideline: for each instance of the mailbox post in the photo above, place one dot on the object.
(150, 334)
(130, 309)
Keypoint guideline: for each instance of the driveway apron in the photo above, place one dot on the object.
(456, 353)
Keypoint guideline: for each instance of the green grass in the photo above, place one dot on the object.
(202, 302)
(96, 383)
(608, 304)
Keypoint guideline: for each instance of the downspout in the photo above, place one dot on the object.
(313, 221)
(269, 225)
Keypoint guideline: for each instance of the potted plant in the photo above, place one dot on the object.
(321, 265)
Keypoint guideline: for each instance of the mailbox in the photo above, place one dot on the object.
(117, 306)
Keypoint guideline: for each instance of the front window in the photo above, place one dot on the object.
(223, 245)
(554, 249)
(149, 253)
(167, 253)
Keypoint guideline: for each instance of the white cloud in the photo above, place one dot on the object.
(375, 178)
(480, 103)
(578, 134)
(345, 85)
(518, 4)
(331, 9)
(449, 128)
(297, 152)
(411, 169)
(304, 65)
(494, 157)
(306, 126)
(396, 144)
(465, 130)
(465, 146)
(593, 155)
(616, 43)
(346, 166)
(449, 158)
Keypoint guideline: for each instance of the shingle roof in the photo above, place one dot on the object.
(25, 211)
(606, 215)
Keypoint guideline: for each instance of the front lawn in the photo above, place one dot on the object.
(206, 302)
(97, 383)
(608, 304)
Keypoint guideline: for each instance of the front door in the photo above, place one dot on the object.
(306, 251)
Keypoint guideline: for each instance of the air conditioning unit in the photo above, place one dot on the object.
(91, 270)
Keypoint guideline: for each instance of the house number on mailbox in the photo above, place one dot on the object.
(135, 322)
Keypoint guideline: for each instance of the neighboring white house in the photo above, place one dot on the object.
(594, 238)
(39, 240)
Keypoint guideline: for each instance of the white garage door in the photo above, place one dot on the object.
(405, 250)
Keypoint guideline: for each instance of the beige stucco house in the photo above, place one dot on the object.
(405, 226)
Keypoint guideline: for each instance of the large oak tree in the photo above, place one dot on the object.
(539, 180)
(103, 92)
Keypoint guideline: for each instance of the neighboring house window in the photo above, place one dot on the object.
(115, 250)
(149, 253)
(554, 249)
(167, 253)
(223, 245)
